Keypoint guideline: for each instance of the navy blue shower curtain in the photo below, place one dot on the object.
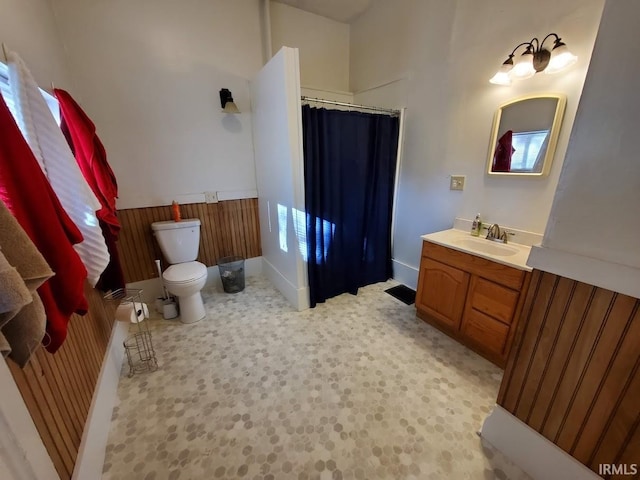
(349, 174)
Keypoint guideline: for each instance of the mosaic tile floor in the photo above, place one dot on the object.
(357, 388)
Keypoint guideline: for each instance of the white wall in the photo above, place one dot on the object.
(390, 95)
(148, 73)
(596, 206)
(446, 52)
(277, 125)
(346, 97)
(28, 28)
(381, 45)
(323, 45)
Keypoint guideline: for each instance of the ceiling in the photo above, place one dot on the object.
(344, 11)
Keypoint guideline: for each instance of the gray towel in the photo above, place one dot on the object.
(14, 294)
(5, 348)
(26, 331)
(21, 252)
(22, 270)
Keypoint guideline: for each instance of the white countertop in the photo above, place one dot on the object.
(511, 254)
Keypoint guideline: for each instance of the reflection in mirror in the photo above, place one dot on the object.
(524, 135)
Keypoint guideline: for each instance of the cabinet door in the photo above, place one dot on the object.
(441, 292)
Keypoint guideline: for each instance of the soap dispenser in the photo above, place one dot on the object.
(476, 226)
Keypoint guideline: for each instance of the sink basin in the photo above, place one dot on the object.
(486, 246)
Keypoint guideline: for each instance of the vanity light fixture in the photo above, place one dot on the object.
(226, 101)
(536, 58)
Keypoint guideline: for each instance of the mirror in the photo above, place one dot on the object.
(524, 135)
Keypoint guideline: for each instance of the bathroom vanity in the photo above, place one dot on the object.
(473, 290)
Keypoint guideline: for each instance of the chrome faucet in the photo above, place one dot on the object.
(494, 233)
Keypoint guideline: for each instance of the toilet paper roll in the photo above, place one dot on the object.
(126, 313)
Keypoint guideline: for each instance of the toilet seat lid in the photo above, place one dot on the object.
(184, 272)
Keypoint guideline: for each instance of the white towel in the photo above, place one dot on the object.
(59, 165)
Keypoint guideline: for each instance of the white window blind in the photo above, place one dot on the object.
(52, 103)
(4, 89)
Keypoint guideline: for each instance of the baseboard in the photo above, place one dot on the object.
(405, 274)
(93, 445)
(23, 456)
(533, 453)
(298, 297)
(152, 288)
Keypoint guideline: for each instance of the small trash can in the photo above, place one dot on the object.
(232, 273)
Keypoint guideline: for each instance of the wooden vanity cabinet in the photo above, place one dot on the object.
(473, 300)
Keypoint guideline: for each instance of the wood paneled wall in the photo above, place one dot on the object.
(228, 228)
(573, 373)
(58, 388)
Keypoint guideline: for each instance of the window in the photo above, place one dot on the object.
(527, 148)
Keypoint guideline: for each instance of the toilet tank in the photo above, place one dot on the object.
(179, 241)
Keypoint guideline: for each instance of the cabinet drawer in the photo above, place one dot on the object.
(496, 272)
(485, 332)
(492, 299)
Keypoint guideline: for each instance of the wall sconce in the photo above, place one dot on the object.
(535, 59)
(227, 103)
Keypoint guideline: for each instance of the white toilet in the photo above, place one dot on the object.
(179, 242)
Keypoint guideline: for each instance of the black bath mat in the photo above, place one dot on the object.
(403, 293)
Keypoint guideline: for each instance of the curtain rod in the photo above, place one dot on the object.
(351, 105)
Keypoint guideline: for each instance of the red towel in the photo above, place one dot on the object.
(29, 196)
(92, 159)
(504, 151)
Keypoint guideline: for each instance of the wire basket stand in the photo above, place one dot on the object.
(138, 346)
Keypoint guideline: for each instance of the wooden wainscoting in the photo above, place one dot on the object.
(228, 228)
(573, 373)
(57, 389)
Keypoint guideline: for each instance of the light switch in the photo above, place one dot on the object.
(457, 182)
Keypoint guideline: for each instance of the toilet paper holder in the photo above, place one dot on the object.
(138, 346)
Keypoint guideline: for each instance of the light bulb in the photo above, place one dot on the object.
(561, 58)
(501, 78)
(524, 66)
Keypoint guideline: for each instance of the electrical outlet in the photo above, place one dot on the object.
(457, 182)
(211, 197)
